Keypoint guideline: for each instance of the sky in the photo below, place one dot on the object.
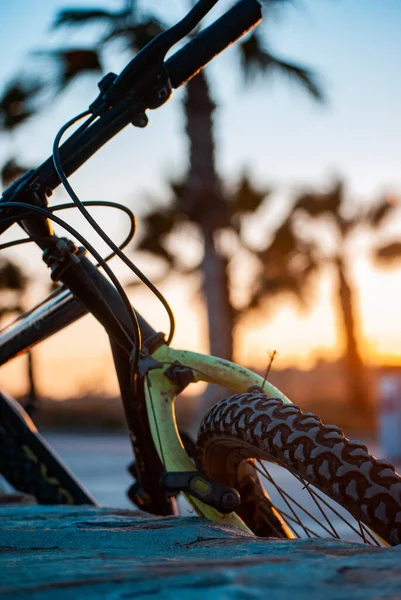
(272, 129)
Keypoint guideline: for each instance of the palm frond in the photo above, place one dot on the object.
(388, 254)
(158, 224)
(71, 63)
(282, 283)
(283, 244)
(155, 247)
(346, 224)
(135, 35)
(246, 199)
(257, 60)
(178, 189)
(288, 266)
(302, 76)
(17, 102)
(316, 204)
(11, 171)
(12, 276)
(380, 212)
(84, 16)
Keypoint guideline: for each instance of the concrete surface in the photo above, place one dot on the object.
(73, 553)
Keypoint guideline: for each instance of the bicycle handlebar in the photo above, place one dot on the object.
(210, 42)
(178, 69)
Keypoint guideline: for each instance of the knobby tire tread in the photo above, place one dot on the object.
(367, 487)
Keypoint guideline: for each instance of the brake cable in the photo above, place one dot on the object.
(64, 180)
(105, 203)
(86, 244)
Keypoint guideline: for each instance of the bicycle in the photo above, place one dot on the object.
(221, 479)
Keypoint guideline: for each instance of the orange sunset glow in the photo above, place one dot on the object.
(78, 361)
(286, 143)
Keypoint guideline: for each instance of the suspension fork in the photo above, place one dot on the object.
(104, 303)
(149, 468)
(99, 297)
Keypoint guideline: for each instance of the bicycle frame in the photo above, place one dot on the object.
(150, 372)
(58, 313)
(159, 394)
(145, 83)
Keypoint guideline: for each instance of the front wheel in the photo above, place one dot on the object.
(340, 489)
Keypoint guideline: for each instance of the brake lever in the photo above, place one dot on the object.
(114, 87)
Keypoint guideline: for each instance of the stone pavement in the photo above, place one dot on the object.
(72, 553)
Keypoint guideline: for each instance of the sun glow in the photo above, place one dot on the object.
(78, 361)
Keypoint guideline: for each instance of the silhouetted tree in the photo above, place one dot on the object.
(13, 279)
(203, 200)
(337, 221)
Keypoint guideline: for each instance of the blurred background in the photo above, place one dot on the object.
(267, 193)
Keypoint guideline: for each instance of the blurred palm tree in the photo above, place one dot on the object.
(14, 283)
(18, 102)
(310, 248)
(201, 198)
(389, 254)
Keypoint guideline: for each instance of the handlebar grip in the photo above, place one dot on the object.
(188, 61)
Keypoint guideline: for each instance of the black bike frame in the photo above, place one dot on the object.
(63, 310)
(146, 83)
(49, 318)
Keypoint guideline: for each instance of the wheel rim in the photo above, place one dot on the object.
(310, 512)
(306, 509)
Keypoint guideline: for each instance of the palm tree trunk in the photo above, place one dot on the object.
(216, 293)
(354, 365)
(204, 203)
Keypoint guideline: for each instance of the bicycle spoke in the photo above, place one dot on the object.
(370, 534)
(302, 508)
(280, 491)
(362, 532)
(284, 496)
(339, 515)
(312, 495)
(290, 518)
(277, 531)
(290, 498)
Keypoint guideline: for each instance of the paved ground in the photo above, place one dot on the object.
(64, 553)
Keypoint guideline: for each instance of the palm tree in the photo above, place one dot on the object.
(203, 200)
(180, 218)
(338, 222)
(13, 284)
(14, 281)
(18, 102)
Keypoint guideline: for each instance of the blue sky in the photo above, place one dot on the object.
(284, 138)
(355, 47)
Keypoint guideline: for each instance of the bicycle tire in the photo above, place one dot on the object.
(254, 426)
(28, 463)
